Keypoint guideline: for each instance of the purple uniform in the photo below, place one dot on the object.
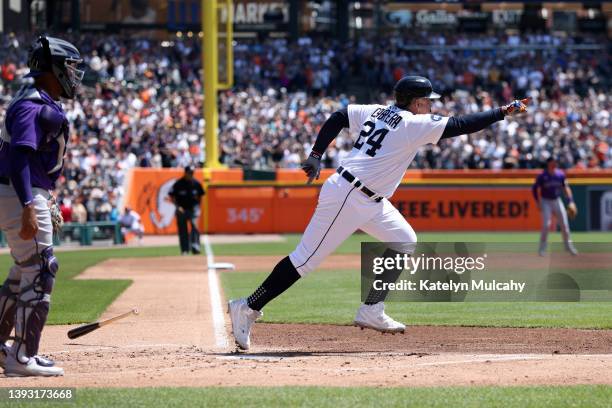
(551, 185)
(26, 126)
(32, 146)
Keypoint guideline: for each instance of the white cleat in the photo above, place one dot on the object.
(374, 317)
(44, 361)
(31, 368)
(242, 317)
(40, 360)
(571, 248)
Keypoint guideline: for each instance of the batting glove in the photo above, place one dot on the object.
(514, 107)
(312, 166)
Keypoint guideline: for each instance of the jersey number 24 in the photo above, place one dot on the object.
(368, 136)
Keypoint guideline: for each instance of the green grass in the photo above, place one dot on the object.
(332, 297)
(77, 301)
(352, 245)
(506, 397)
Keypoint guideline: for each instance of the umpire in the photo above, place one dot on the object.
(186, 194)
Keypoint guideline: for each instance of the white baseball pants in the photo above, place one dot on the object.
(342, 209)
(23, 304)
(548, 207)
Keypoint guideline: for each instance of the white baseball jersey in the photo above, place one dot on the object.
(387, 139)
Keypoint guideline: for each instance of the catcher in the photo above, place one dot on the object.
(547, 191)
(32, 147)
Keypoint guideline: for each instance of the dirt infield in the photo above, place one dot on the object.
(172, 343)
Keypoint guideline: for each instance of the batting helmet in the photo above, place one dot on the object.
(61, 58)
(412, 86)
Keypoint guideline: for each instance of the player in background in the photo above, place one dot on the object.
(32, 148)
(356, 196)
(547, 190)
(131, 223)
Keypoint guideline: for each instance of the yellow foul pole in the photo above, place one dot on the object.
(211, 86)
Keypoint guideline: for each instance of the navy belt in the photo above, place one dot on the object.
(358, 184)
(5, 181)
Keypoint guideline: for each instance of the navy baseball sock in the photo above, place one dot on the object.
(388, 276)
(282, 277)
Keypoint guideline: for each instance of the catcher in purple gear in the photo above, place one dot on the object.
(32, 148)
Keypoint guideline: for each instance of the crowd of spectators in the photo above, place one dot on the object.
(140, 105)
(142, 102)
(286, 91)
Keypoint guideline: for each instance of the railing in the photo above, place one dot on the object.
(85, 234)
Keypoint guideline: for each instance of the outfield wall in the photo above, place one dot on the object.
(430, 200)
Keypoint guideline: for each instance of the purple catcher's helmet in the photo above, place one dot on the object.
(61, 58)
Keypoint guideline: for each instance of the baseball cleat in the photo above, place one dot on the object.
(374, 317)
(44, 361)
(31, 368)
(242, 317)
(571, 248)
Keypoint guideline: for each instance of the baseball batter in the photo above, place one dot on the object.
(356, 196)
(547, 190)
(32, 147)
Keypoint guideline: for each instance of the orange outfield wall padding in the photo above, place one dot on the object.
(435, 200)
(288, 209)
(147, 194)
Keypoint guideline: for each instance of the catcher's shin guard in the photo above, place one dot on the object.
(8, 304)
(33, 304)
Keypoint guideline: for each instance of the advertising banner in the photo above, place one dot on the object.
(429, 201)
(449, 208)
(468, 208)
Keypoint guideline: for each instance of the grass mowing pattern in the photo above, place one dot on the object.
(504, 397)
(332, 297)
(78, 301)
(353, 244)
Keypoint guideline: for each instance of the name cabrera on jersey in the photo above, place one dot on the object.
(387, 139)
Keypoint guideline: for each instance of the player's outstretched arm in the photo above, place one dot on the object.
(330, 129)
(466, 124)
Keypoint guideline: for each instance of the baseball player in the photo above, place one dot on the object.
(32, 147)
(356, 196)
(547, 190)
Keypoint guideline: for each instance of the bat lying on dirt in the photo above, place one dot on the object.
(89, 327)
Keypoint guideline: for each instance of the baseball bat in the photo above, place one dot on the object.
(89, 327)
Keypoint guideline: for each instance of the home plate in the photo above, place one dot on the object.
(224, 265)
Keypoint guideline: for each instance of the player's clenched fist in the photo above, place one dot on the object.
(312, 166)
(514, 107)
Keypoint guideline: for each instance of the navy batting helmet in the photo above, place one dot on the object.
(412, 86)
(61, 58)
